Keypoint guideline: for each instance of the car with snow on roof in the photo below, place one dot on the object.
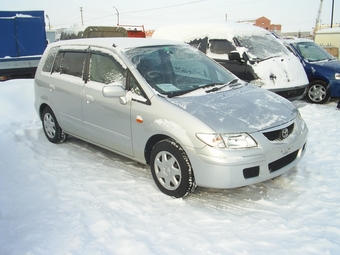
(251, 53)
(167, 105)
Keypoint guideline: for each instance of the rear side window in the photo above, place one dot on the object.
(71, 63)
(50, 59)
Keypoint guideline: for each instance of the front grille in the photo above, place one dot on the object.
(282, 162)
(278, 135)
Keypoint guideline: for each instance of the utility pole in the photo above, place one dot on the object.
(332, 13)
(49, 23)
(81, 15)
(317, 22)
(117, 16)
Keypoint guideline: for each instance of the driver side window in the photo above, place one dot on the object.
(105, 69)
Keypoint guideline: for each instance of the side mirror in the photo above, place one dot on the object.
(234, 55)
(113, 90)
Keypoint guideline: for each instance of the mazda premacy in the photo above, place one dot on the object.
(167, 105)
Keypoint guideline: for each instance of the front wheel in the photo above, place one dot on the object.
(318, 92)
(171, 169)
(52, 130)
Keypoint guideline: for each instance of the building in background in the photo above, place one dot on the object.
(265, 23)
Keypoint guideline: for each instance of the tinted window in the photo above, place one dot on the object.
(221, 46)
(73, 63)
(105, 69)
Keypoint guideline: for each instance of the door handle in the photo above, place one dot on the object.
(52, 88)
(89, 99)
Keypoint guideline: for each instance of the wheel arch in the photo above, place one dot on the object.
(42, 108)
(318, 78)
(151, 143)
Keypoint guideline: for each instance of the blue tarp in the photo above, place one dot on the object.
(22, 33)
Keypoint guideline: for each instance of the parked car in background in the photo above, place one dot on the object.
(166, 104)
(92, 32)
(323, 70)
(250, 52)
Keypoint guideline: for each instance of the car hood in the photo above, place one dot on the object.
(280, 73)
(246, 109)
(333, 64)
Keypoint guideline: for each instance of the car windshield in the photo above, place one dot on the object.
(177, 70)
(312, 52)
(261, 47)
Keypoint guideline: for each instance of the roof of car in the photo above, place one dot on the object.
(295, 40)
(117, 42)
(214, 30)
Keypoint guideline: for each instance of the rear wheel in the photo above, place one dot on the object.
(171, 169)
(52, 130)
(318, 92)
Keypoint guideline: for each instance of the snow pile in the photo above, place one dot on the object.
(217, 30)
(75, 198)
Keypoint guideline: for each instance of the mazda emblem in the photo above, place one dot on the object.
(284, 133)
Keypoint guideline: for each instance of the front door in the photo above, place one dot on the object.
(106, 120)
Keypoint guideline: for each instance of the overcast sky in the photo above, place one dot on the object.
(293, 15)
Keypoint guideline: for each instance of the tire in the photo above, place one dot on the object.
(318, 92)
(52, 130)
(171, 169)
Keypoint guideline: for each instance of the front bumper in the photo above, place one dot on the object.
(334, 87)
(223, 169)
(292, 94)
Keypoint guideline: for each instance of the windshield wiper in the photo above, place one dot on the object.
(224, 85)
(319, 60)
(264, 59)
(179, 93)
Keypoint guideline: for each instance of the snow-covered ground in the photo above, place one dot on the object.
(75, 198)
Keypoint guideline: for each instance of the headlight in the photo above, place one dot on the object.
(257, 82)
(337, 76)
(229, 141)
(302, 122)
(213, 140)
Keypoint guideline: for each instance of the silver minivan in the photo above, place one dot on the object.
(168, 105)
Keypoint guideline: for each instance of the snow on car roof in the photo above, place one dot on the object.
(117, 42)
(295, 40)
(216, 30)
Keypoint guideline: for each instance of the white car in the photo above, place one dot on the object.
(252, 53)
(168, 105)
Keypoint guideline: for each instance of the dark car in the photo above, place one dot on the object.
(323, 70)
